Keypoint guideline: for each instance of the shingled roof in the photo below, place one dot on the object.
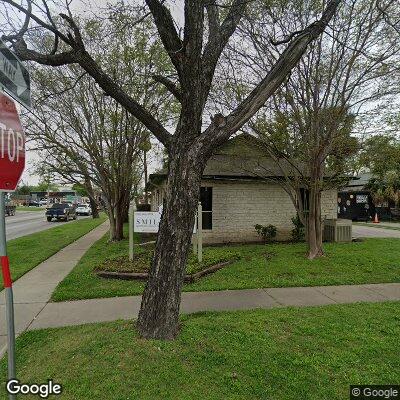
(241, 158)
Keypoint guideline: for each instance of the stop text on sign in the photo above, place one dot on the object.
(12, 144)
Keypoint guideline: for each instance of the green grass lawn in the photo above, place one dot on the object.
(271, 265)
(28, 251)
(22, 208)
(279, 354)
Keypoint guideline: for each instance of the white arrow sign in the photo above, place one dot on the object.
(14, 77)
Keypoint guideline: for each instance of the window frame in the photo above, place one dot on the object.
(207, 209)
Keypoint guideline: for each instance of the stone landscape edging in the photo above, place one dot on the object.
(191, 278)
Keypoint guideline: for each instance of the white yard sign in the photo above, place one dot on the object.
(149, 221)
(146, 221)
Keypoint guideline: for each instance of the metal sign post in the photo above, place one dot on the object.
(14, 80)
(131, 210)
(194, 236)
(5, 267)
(199, 232)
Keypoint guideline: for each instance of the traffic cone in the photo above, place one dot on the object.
(376, 220)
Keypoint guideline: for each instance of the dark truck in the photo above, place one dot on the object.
(64, 211)
(10, 209)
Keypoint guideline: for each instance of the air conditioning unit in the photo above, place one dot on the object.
(338, 230)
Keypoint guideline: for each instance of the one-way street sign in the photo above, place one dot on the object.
(14, 77)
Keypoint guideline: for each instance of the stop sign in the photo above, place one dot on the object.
(12, 145)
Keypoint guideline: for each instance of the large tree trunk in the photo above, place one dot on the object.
(117, 206)
(314, 224)
(159, 313)
(115, 217)
(125, 207)
(119, 221)
(112, 231)
(116, 228)
(93, 206)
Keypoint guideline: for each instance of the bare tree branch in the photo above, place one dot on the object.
(169, 85)
(278, 73)
(168, 34)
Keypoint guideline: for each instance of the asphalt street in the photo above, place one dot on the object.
(27, 222)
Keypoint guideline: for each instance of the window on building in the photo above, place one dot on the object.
(305, 197)
(206, 203)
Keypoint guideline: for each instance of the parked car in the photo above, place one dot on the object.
(83, 209)
(10, 209)
(33, 203)
(43, 202)
(60, 211)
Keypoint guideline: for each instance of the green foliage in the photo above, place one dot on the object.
(381, 155)
(80, 189)
(45, 186)
(268, 233)
(145, 144)
(298, 232)
(386, 188)
(23, 189)
(46, 182)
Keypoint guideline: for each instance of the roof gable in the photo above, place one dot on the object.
(244, 145)
(243, 156)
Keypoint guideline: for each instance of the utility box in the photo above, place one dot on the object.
(337, 230)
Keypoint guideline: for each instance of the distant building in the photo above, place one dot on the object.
(57, 197)
(358, 183)
(234, 198)
(355, 201)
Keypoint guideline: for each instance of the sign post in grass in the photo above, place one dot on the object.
(194, 240)
(199, 233)
(131, 222)
(148, 222)
(5, 266)
(12, 165)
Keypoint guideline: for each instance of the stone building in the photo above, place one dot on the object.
(239, 190)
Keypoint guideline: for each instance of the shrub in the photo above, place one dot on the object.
(298, 232)
(268, 232)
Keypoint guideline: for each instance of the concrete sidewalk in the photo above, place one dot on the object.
(111, 309)
(33, 290)
(374, 231)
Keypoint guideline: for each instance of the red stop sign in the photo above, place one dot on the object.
(12, 145)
